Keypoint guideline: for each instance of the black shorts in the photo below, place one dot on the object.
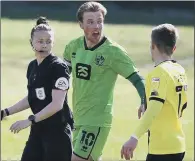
(166, 157)
(48, 145)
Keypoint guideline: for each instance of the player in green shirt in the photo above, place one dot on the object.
(95, 62)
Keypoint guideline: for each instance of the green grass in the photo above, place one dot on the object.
(16, 54)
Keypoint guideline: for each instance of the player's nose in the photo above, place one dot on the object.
(96, 26)
(44, 45)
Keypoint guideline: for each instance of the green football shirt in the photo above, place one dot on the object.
(94, 73)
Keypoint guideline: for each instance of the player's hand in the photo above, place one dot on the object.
(128, 148)
(141, 110)
(19, 125)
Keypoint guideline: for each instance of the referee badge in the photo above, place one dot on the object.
(62, 83)
(155, 83)
(40, 93)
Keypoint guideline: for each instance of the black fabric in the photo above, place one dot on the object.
(48, 145)
(96, 46)
(7, 112)
(173, 61)
(42, 78)
(167, 157)
(157, 99)
(33, 149)
(2, 113)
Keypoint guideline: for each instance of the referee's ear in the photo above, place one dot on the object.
(32, 44)
(30, 40)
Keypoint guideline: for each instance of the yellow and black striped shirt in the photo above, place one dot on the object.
(166, 94)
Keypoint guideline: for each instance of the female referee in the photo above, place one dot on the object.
(48, 83)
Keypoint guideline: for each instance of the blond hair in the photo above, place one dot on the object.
(90, 7)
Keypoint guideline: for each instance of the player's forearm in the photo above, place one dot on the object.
(49, 110)
(152, 111)
(139, 84)
(140, 87)
(19, 106)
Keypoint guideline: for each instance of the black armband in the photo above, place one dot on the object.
(7, 112)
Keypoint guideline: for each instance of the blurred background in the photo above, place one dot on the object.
(129, 23)
(124, 12)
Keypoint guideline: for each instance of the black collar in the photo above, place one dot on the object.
(173, 61)
(44, 60)
(96, 46)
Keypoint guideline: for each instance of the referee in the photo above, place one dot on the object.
(48, 83)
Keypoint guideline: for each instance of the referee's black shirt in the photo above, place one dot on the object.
(51, 73)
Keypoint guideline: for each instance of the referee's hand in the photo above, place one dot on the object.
(20, 125)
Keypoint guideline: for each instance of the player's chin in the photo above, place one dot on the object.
(96, 38)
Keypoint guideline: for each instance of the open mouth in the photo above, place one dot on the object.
(96, 33)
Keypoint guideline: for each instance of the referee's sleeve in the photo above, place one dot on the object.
(29, 69)
(60, 77)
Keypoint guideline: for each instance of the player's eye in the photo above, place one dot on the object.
(99, 22)
(41, 41)
(90, 22)
(48, 41)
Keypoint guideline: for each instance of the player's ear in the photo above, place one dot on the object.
(174, 48)
(81, 24)
(153, 46)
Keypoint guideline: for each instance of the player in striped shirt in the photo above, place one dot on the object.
(166, 95)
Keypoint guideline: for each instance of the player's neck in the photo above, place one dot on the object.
(41, 56)
(162, 58)
(92, 44)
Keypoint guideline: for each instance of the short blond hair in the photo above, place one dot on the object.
(90, 7)
(165, 36)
